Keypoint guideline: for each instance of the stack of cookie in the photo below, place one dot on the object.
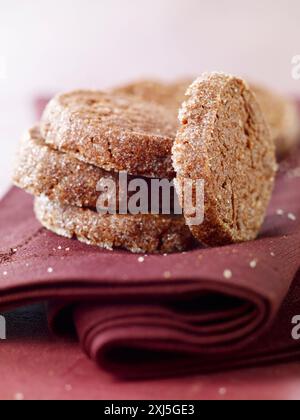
(86, 137)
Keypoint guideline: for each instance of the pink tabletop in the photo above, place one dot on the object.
(35, 365)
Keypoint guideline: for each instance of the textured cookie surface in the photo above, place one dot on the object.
(225, 141)
(42, 170)
(139, 233)
(283, 118)
(115, 133)
(169, 95)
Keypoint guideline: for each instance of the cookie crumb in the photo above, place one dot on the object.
(292, 217)
(67, 249)
(280, 212)
(141, 259)
(59, 248)
(50, 270)
(167, 275)
(272, 254)
(5, 273)
(228, 274)
(253, 264)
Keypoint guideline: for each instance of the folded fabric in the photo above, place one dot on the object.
(145, 316)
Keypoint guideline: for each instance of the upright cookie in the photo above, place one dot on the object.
(225, 141)
(283, 118)
(169, 95)
(115, 133)
(136, 233)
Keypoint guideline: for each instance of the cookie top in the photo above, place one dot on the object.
(116, 133)
(170, 95)
(225, 141)
(283, 118)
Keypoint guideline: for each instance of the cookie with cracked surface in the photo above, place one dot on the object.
(116, 133)
(225, 141)
(282, 115)
(169, 95)
(41, 170)
(136, 233)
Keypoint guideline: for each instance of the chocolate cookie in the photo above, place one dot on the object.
(138, 234)
(170, 95)
(225, 141)
(115, 133)
(283, 118)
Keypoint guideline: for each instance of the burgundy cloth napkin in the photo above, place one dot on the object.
(165, 314)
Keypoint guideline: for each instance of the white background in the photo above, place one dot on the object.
(56, 45)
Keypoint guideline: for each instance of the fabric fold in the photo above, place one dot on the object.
(201, 311)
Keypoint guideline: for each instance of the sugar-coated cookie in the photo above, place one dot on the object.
(42, 170)
(169, 95)
(136, 233)
(225, 141)
(115, 133)
(283, 117)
